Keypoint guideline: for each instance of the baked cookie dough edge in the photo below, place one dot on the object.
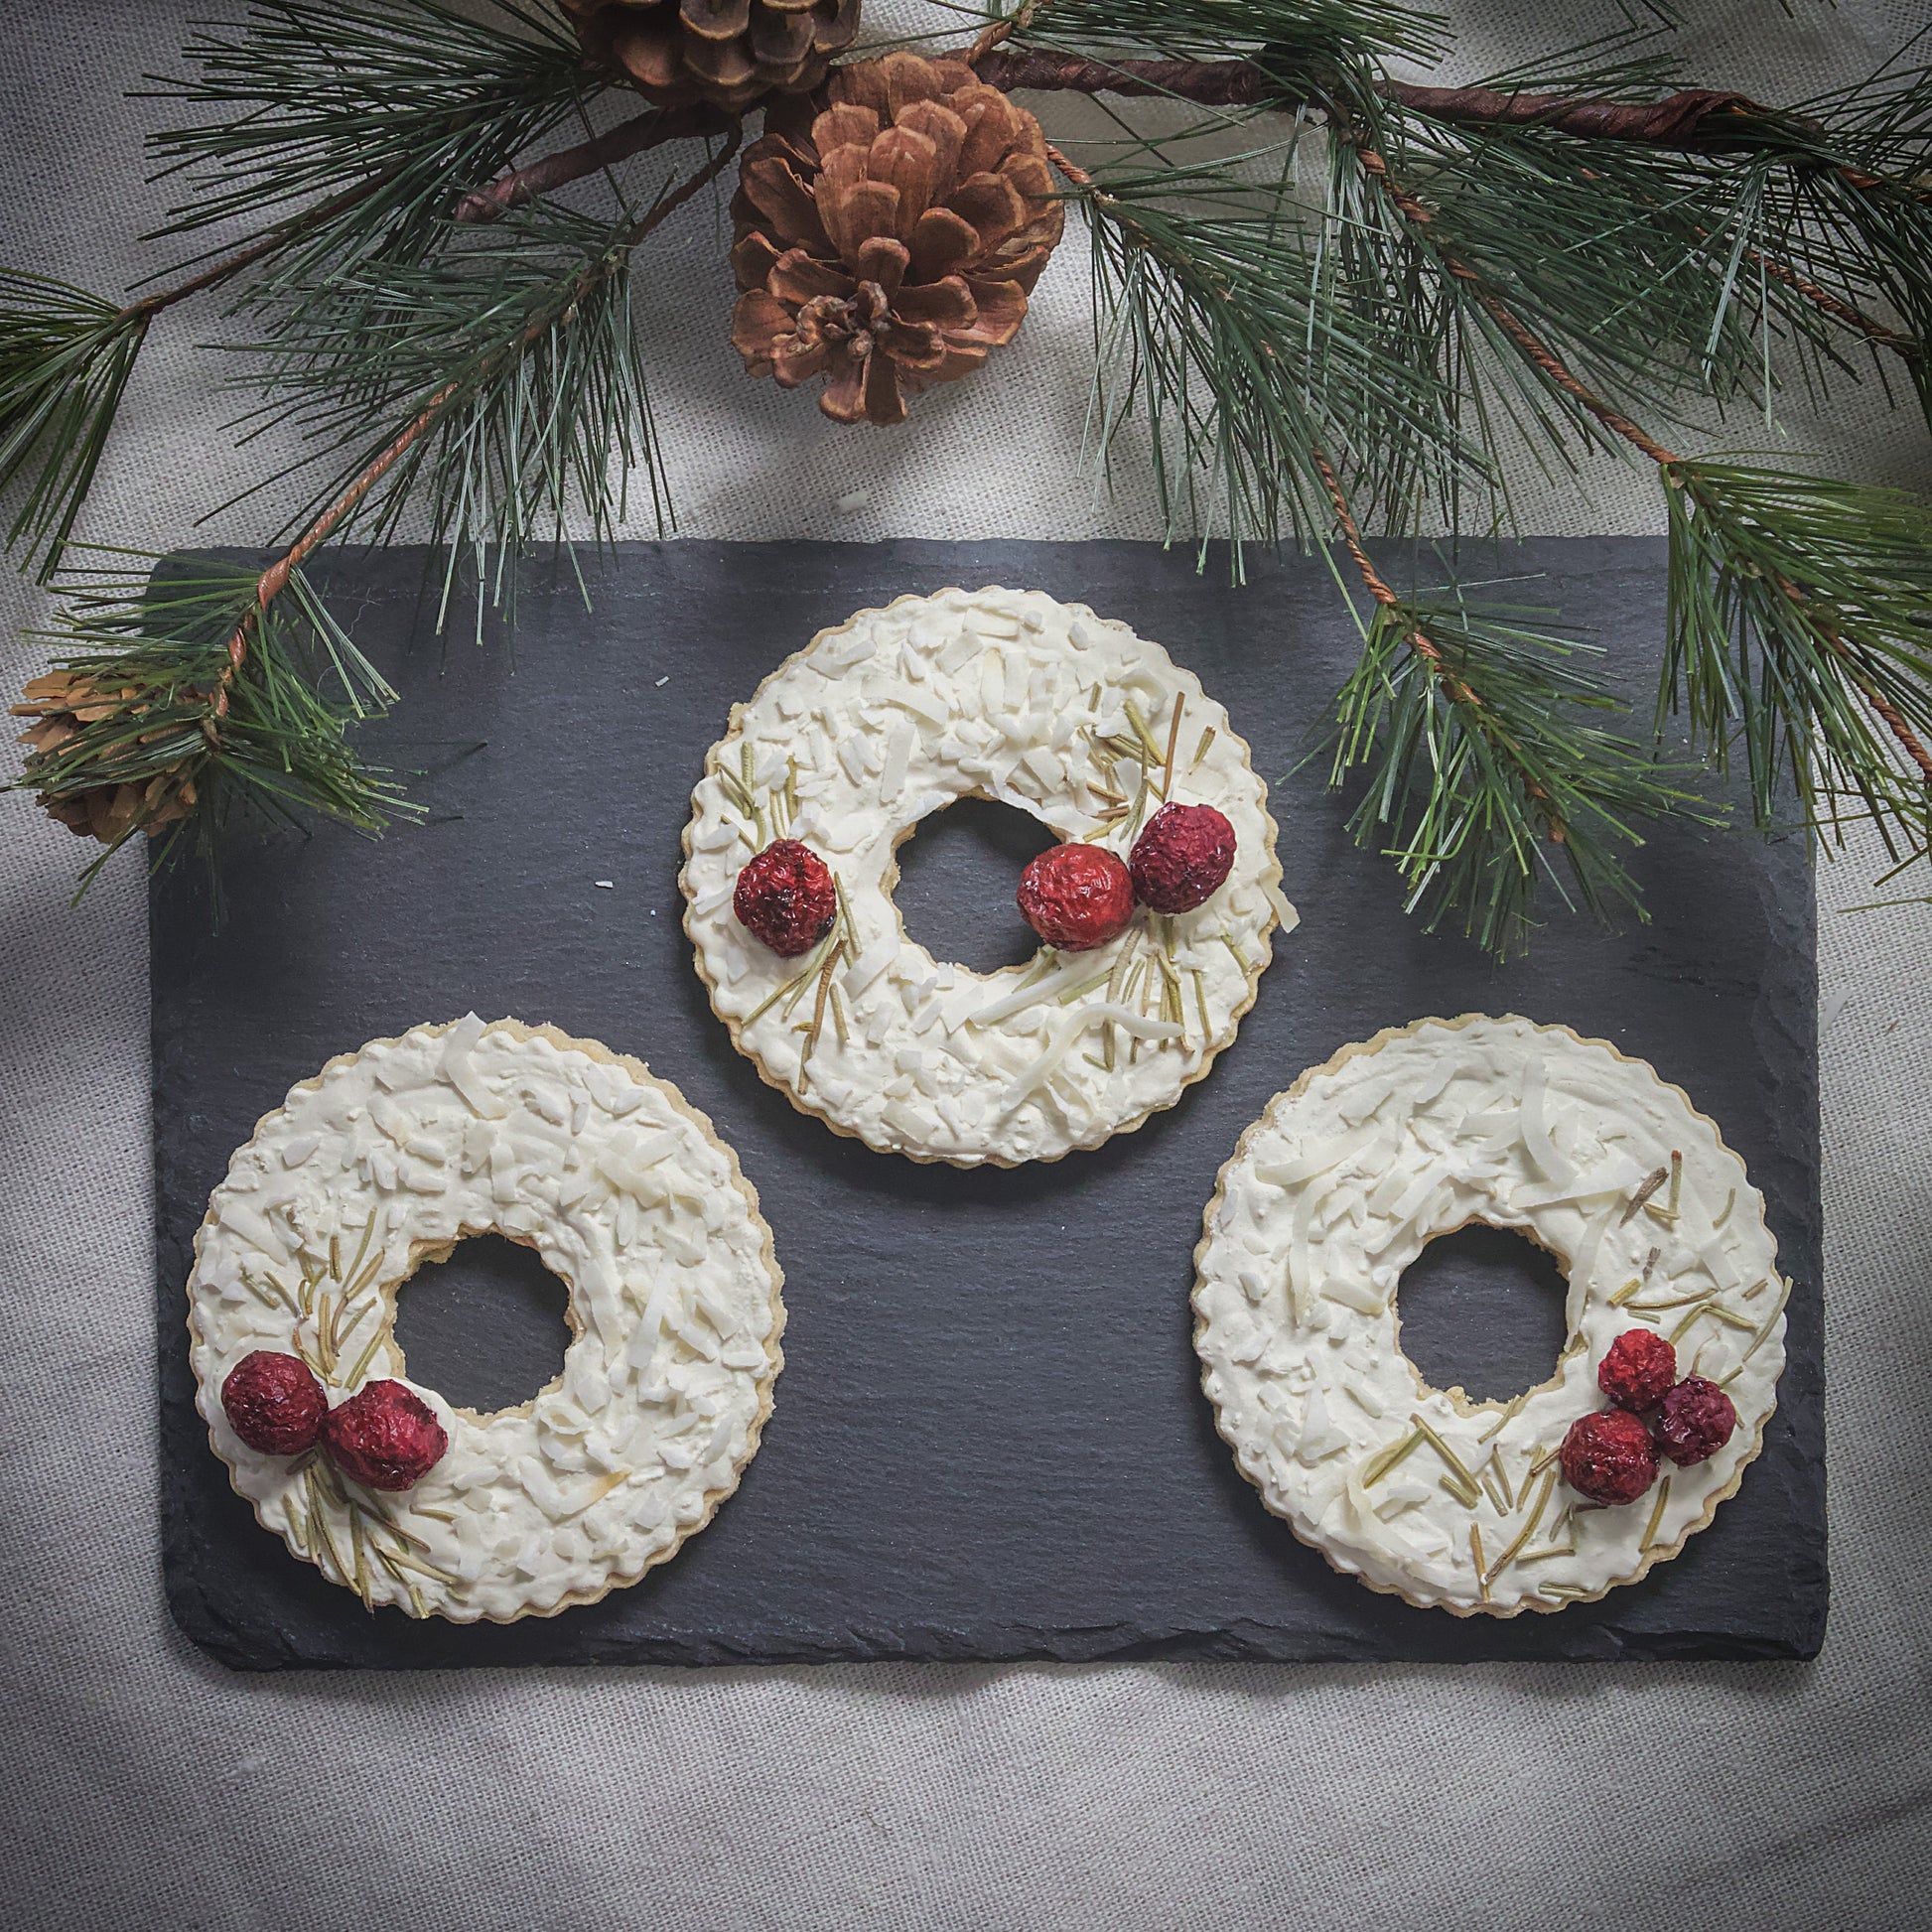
(774, 1359)
(1282, 915)
(1660, 1553)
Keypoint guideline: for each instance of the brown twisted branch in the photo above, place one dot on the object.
(1692, 119)
(636, 136)
(1677, 122)
(1377, 586)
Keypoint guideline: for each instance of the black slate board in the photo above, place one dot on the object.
(990, 1440)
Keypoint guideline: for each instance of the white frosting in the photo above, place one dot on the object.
(895, 714)
(1337, 1189)
(382, 1160)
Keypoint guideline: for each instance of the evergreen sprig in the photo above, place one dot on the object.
(519, 343)
(1246, 349)
(380, 111)
(1576, 251)
(1488, 771)
(1801, 630)
(1852, 210)
(186, 679)
(65, 358)
(1287, 37)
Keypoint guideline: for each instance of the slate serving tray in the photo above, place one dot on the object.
(989, 1440)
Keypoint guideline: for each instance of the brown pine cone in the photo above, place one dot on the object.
(727, 52)
(892, 242)
(59, 704)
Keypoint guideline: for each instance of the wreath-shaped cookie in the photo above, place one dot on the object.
(1155, 912)
(1576, 1485)
(386, 1159)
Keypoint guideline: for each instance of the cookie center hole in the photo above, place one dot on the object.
(487, 1327)
(1483, 1311)
(958, 872)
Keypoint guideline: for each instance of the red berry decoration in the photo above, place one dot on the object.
(1076, 897)
(1182, 857)
(384, 1436)
(1607, 1456)
(273, 1403)
(1695, 1421)
(785, 896)
(1639, 1370)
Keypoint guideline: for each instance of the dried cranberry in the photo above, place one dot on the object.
(1182, 857)
(785, 896)
(1076, 897)
(1694, 1420)
(385, 1436)
(273, 1403)
(1607, 1456)
(1640, 1369)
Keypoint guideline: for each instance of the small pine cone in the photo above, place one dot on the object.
(59, 704)
(892, 243)
(730, 53)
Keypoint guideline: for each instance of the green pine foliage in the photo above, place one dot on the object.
(1248, 351)
(269, 737)
(1286, 37)
(65, 358)
(1490, 768)
(518, 342)
(377, 113)
(1345, 316)
(1801, 612)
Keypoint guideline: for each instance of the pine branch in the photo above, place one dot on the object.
(636, 136)
(1244, 354)
(412, 93)
(520, 349)
(1827, 586)
(1801, 626)
(1864, 149)
(1485, 769)
(1267, 31)
(1844, 669)
(1489, 780)
(1486, 781)
(155, 722)
(65, 360)
(174, 702)
(177, 698)
(411, 99)
(1697, 120)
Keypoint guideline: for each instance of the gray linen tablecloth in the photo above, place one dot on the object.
(146, 1786)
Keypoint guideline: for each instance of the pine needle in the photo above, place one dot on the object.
(1285, 36)
(269, 737)
(1801, 629)
(1488, 777)
(65, 360)
(407, 101)
(1226, 326)
(523, 332)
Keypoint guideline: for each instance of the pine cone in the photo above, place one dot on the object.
(892, 242)
(59, 704)
(727, 52)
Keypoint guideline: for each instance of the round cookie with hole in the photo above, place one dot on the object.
(387, 1159)
(894, 715)
(1475, 1506)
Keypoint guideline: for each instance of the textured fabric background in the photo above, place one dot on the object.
(145, 1786)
